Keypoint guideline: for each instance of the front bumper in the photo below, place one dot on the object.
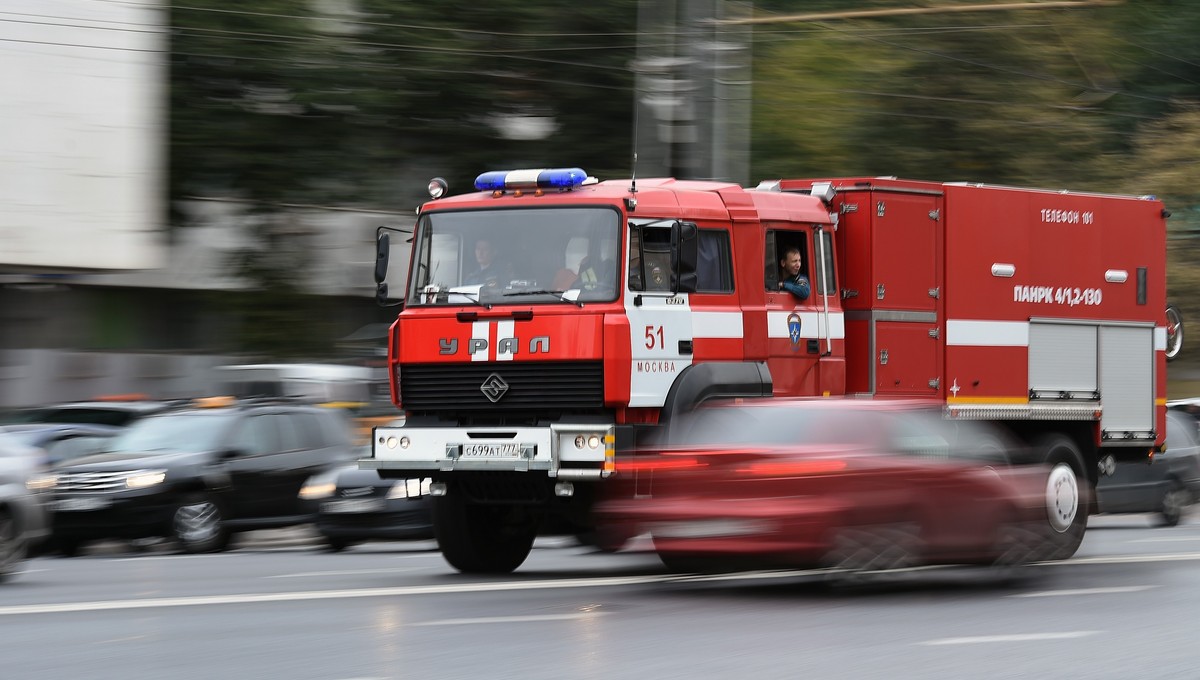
(561, 450)
(113, 515)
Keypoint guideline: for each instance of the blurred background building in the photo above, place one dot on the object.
(98, 296)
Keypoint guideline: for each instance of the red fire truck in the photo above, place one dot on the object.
(551, 322)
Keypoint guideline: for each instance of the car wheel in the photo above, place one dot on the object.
(861, 555)
(67, 546)
(197, 525)
(1174, 502)
(483, 539)
(12, 548)
(334, 544)
(1067, 495)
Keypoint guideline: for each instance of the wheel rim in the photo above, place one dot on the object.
(1062, 497)
(197, 522)
(1174, 502)
(1174, 333)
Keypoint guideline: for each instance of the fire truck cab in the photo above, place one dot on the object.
(551, 322)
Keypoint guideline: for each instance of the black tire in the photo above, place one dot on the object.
(198, 526)
(1174, 332)
(68, 546)
(1068, 495)
(692, 564)
(1174, 503)
(483, 539)
(12, 547)
(337, 544)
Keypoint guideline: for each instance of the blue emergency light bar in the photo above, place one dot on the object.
(553, 178)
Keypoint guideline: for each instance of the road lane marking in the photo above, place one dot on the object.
(1021, 637)
(398, 591)
(1085, 591)
(401, 591)
(346, 572)
(1127, 559)
(256, 598)
(512, 619)
(1165, 539)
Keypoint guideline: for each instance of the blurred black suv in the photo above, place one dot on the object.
(197, 474)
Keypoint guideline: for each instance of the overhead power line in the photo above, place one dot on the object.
(910, 11)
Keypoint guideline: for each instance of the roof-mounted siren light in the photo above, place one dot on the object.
(437, 188)
(823, 191)
(769, 185)
(563, 179)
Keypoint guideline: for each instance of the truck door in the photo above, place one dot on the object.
(891, 267)
(660, 322)
(804, 335)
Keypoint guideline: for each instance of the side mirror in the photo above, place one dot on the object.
(381, 294)
(383, 249)
(685, 241)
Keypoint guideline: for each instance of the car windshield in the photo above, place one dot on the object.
(92, 415)
(515, 256)
(184, 432)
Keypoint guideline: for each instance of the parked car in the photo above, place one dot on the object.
(850, 484)
(23, 501)
(199, 473)
(112, 412)
(1168, 484)
(60, 442)
(352, 506)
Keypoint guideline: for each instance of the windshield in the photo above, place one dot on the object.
(907, 432)
(517, 255)
(185, 432)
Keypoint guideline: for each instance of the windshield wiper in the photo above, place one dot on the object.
(471, 294)
(560, 294)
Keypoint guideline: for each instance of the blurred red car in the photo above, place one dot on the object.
(850, 484)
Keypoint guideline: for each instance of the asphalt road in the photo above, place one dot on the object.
(278, 607)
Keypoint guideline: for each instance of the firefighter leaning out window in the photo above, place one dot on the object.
(791, 276)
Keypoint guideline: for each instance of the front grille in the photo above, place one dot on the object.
(531, 386)
(91, 481)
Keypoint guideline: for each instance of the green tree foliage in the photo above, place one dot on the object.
(345, 103)
(947, 97)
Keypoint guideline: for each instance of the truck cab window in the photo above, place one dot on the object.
(714, 266)
(650, 259)
(782, 246)
(826, 281)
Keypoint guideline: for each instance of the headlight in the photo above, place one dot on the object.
(41, 482)
(319, 486)
(144, 478)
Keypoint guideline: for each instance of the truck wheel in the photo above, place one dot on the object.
(1174, 332)
(483, 539)
(1174, 501)
(197, 525)
(1068, 495)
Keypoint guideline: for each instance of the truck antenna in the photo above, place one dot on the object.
(633, 171)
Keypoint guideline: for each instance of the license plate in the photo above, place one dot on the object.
(83, 504)
(491, 450)
(353, 505)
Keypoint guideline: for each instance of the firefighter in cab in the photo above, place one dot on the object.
(790, 278)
